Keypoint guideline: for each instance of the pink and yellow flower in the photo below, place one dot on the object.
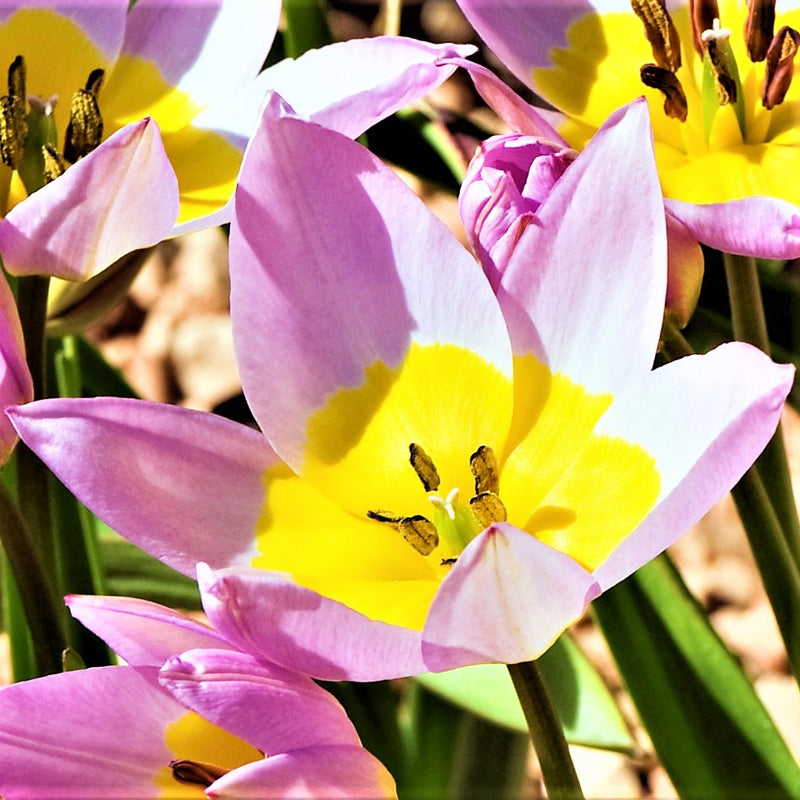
(191, 716)
(446, 474)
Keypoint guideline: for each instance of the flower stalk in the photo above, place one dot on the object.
(547, 733)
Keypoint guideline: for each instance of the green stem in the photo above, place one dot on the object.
(547, 733)
(38, 601)
(749, 325)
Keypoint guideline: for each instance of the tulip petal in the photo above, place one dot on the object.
(89, 733)
(506, 600)
(562, 265)
(704, 419)
(168, 479)
(338, 275)
(263, 613)
(121, 197)
(272, 708)
(141, 632)
(373, 79)
(323, 772)
(764, 227)
(16, 385)
(202, 47)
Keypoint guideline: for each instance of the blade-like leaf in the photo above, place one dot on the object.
(710, 730)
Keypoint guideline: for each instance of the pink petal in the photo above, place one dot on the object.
(506, 600)
(704, 419)
(90, 733)
(16, 385)
(206, 48)
(142, 633)
(264, 614)
(271, 708)
(599, 234)
(121, 197)
(373, 79)
(317, 772)
(764, 227)
(339, 273)
(685, 269)
(170, 480)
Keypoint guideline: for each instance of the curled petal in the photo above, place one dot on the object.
(506, 600)
(316, 772)
(764, 227)
(16, 385)
(264, 614)
(119, 198)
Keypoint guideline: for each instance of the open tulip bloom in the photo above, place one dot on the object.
(189, 714)
(445, 475)
(145, 114)
(588, 58)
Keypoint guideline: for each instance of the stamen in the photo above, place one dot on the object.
(703, 14)
(53, 163)
(418, 531)
(759, 27)
(780, 66)
(660, 32)
(484, 467)
(196, 773)
(424, 467)
(13, 125)
(85, 129)
(448, 562)
(716, 44)
(488, 508)
(675, 105)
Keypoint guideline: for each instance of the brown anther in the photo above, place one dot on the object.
(13, 124)
(53, 163)
(702, 13)
(759, 27)
(424, 467)
(418, 531)
(85, 129)
(780, 66)
(723, 81)
(660, 32)
(196, 773)
(484, 467)
(655, 77)
(488, 508)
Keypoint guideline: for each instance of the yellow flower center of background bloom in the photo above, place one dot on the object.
(578, 491)
(699, 161)
(194, 738)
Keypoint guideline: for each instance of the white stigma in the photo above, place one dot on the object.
(448, 505)
(715, 32)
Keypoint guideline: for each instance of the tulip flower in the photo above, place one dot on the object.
(444, 475)
(208, 721)
(150, 109)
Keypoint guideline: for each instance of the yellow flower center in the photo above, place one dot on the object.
(724, 122)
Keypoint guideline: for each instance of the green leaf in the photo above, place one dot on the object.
(711, 732)
(587, 711)
(306, 26)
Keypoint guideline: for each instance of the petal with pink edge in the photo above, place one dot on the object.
(203, 47)
(183, 485)
(90, 733)
(119, 198)
(141, 632)
(764, 227)
(340, 275)
(506, 600)
(316, 772)
(374, 78)
(600, 233)
(272, 708)
(705, 419)
(265, 614)
(16, 385)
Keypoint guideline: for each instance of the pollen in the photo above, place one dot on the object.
(85, 129)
